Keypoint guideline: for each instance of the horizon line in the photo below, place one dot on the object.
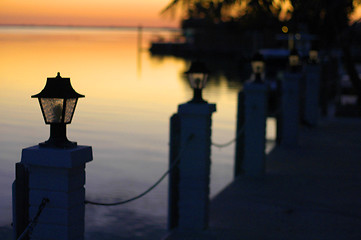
(87, 26)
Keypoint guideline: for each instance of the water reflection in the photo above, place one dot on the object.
(125, 116)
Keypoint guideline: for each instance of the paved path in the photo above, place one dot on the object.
(312, 191)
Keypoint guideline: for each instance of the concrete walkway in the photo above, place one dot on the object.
(312, 191)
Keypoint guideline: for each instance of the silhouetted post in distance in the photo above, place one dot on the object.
(291, 102)
(239, 151)
(312, 74)
(191, 146)
(255, 101)
(173, 180)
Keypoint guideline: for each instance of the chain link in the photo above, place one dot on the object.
(219, 145)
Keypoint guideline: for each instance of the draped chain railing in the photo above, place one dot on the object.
(240, 132)
(172, 166)
(219, 145)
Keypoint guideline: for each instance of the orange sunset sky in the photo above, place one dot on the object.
(90, 12)
(86, 12)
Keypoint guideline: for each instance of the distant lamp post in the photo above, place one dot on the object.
(197, 76)
(258, 67)
(313, 56)
(57, 101)
(294, 60)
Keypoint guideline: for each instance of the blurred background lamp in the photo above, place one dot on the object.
(258, 66)
(294, 59)
(313, 56)
(197, 76)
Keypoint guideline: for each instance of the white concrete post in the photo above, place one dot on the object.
(255, 128)
(59, 175)
(194, 166)
(312, 109)
(290, 109)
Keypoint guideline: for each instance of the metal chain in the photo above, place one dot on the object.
(218, 145)
(30, 228)
(173, 165)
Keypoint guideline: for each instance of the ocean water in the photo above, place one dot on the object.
(129, 98)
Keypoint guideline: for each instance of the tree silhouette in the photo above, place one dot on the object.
(222, 9)
(329, 20)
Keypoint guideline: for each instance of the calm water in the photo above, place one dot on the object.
(129, 97)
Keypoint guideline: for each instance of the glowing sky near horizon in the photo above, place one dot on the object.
(92, 12)
(86, 12)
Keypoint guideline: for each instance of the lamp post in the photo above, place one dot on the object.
(197, 75)
(191, 144)
(53, 170)
(294, 60)
(250, 145)
(312, 89)
(291, 107)
(258, 66)
(57, 101)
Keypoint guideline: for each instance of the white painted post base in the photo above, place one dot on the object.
(290, 109)
(312, 109)
(194, 166)
(255, 129)
(59, 175)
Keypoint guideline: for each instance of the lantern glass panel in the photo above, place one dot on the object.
(294, 60)
(313, 55)
(52, 109)
(198, 80)
(69, 109)
(258, 66)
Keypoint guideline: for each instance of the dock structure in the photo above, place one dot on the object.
(310, 191)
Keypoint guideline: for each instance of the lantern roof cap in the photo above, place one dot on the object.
(294, 52)
(258, 57)
(197, 67)
(58, 87)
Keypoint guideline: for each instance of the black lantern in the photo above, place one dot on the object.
(294, 60)
(58, 100)
(197, 76)
(258, 66)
